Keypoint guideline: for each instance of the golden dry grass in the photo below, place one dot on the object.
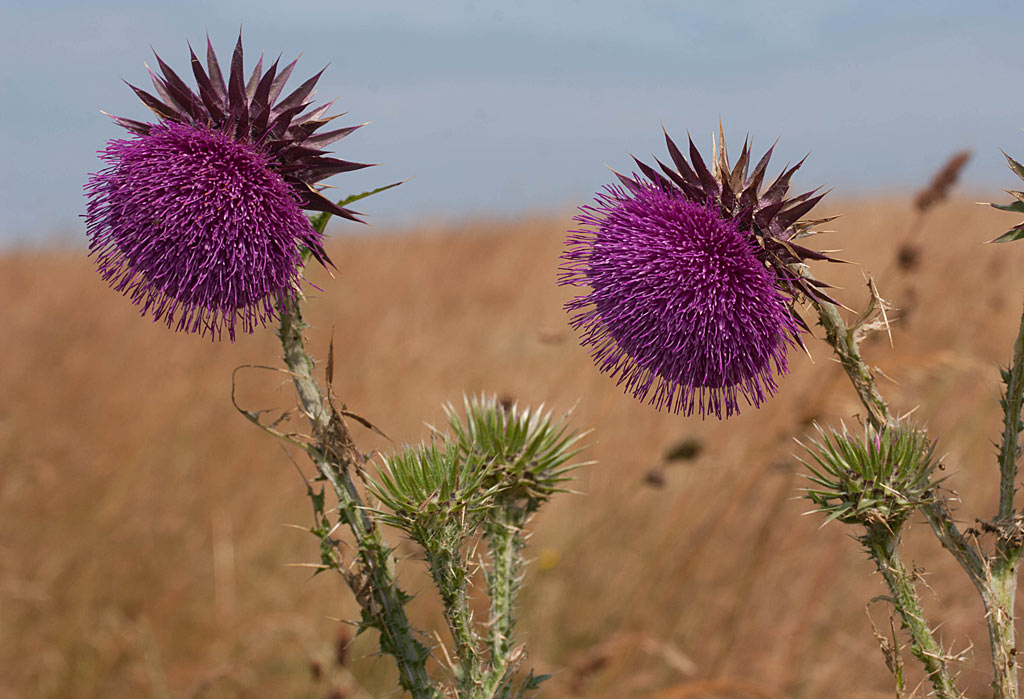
(143, 546)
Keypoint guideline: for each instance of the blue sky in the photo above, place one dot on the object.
(509, 107)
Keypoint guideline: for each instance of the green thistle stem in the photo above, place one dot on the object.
(995, 577)
(452, 577)
(505, 537)
(1001, 588)
(843, 341)
(1009, 452)
(373, 583)
(882, 544)
(999, 596)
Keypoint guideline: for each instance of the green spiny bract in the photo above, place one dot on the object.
(496, 458)
(1016, 206)
(430, 488)
(877, 478)
(528, 453)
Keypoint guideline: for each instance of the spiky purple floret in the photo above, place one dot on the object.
(681, 310)
(196, 228)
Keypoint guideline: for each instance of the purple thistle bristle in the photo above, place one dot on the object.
(196, 228)
(681, 310)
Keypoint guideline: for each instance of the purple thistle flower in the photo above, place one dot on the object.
(194, 225)
(198, 218)
(681, 310)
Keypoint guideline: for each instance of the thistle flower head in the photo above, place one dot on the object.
(681, 309)
(691, 301)
(198, 217)
(878, 478)
(767, 214)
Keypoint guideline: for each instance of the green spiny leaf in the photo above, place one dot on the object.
(1010, 235)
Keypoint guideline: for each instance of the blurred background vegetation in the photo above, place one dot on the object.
(145, 540)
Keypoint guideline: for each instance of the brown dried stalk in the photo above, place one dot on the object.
(942, 181)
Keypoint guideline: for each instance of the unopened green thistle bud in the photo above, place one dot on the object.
(495, 458)
(527, 451)
(430, 488)
(879, 477)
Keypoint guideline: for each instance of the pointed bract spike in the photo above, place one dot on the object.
(728, 197)
(802, 197)
(723, 154)
(260, 98)
(739, 171)
(181, 92)
(216, 77)
(1013, 206)
(280, 80)
(650, 173)
(812, 222)
(791, 215)
(627, 182)
(242, 127)
(160, 87)
(281, 121)
(748, 196)
(706, 179)
(765, 214)
(236, 81)
(777, 190)
(1010, 235)
(757, 176)
(300, 93)
(314, 169)
(803, 253)
(139, 127)
(1017, 168)
(745, 218)
(810, 292)
(687, 180)
(184, 102)
(257, 72)
(691, 191)
(317, 113)
(680, 162)
(260, 126)
(207, 92)
(321, 256)
(803, 325)
(325, 139)
(159, 108)
(315, 201)
(301, 130)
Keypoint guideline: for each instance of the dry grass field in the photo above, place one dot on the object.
(144, 538)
